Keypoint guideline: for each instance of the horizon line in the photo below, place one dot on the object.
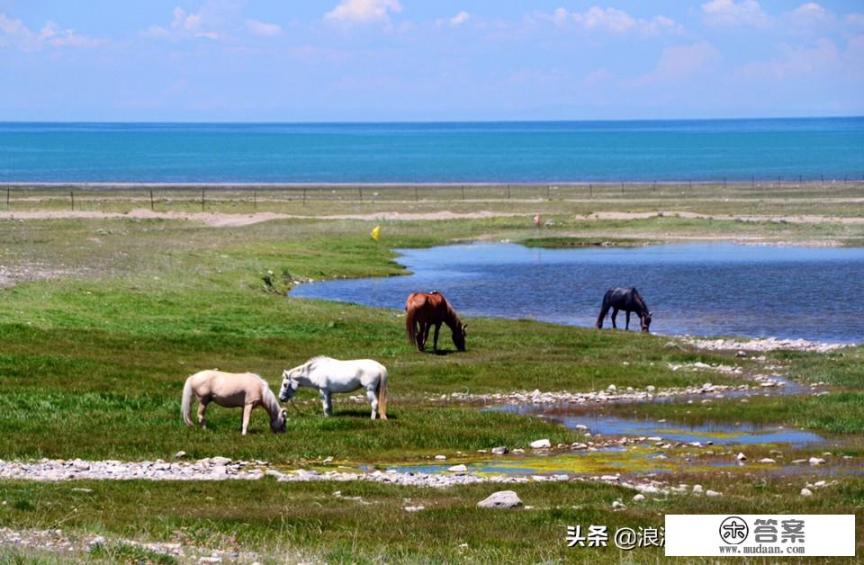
(398, 122)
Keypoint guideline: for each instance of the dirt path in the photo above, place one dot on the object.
(216, 219)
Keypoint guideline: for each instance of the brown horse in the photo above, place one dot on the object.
(424, 310)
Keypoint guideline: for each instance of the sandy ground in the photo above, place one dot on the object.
(220, 220)
(215, 219)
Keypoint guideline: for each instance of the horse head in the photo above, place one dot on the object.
(645, 320)
(289, 385)
(278, 424)
(459, 334)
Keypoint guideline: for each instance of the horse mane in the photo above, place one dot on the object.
(639, 300)
(311, 362)
(452, 318)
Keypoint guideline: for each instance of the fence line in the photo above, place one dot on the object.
(159, 195)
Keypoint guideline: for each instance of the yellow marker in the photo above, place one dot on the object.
(376, 233)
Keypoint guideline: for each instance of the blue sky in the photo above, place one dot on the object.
(381, 60)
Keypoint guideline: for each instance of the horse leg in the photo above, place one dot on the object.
(627, 327)
(247, 412)
(326, 402)
(202, 409)
(421, 340)
(437, 328)
(425, 333)
(373, 400)
(614, 314)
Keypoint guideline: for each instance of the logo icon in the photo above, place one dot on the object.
(734, 530)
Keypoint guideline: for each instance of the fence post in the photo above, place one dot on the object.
(590, 190)
(508, 192)
(304, 196)
(8, 190)
(416, 194)
(151, 200)
(463, 192)
(255, 199)
(360, 192)
(548, 193)
(202, 199)
(72, 199)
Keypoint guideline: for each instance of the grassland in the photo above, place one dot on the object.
(107, 317)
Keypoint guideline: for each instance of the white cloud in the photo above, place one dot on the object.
(264, 29)
(363, 11)
(809, 15)
(610, 20)
(14, 33)
(856, 20)
(184, 25)
(460, 18)
(681, 61)
(732, 13)
(795, 61)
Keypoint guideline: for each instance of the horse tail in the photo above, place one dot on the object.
(409, 323)
(382, 396)
(186, 402)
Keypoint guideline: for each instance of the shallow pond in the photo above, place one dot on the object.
(695, 289)
(743, 433)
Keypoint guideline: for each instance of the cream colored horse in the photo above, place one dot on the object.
(231, 390)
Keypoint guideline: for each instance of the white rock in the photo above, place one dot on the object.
(414, 508)
(816, 461)
(541, 444)
(697, 488)
(612, 388)
(609, 477)
(501, 499)
(458, 469)
(180, 455)
(767, 461)
(500, 450)
(806, 492)
(219, 461)
(650, 388)
(741, 457)
(639, 498)
(618, 505)
(712, 493)
(440, 457)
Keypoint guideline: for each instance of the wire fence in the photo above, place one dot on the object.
(203, 197)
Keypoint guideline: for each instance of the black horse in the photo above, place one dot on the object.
(627, 299)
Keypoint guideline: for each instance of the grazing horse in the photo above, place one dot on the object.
(629, 300)
(424, 310)
(231, 390)
(332, 375)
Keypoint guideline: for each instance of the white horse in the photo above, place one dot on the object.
(332, 375)
(231, 390)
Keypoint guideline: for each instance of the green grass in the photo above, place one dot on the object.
(92, 364)
(283, 519)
